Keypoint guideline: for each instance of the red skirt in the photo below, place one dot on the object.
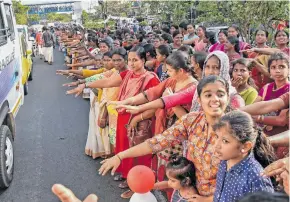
(122, 144)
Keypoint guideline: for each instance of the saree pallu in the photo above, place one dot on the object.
(110, 94)
(131, 85)
(94, 145)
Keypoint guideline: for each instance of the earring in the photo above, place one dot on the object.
(243, 150)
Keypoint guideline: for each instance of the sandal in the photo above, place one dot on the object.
(127, 194)
(123, 185)
(119, 178)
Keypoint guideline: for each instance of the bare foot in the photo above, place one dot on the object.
(66, 195)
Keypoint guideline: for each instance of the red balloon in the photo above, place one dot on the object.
(141, 179)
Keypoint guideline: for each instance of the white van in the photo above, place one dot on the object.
(11, 89)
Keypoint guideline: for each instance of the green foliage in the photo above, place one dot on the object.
(246, 14)
(58, 17)
(34, 18)
(20, 12)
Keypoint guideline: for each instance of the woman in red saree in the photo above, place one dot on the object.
(131, 83)
(180, 79)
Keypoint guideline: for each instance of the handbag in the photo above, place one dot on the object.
(139, 134)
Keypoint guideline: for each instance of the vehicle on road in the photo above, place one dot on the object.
(26, 60)
(11, 89)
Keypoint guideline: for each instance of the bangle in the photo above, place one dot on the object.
(262, 118)
(259, 118)
(86, 85)
(119, 157)
(142, 117)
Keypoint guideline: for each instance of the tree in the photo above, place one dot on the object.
(246, 14)
(20, 12)
(58, 17)
(34, 18)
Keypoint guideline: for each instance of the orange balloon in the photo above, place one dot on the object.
(141, 179)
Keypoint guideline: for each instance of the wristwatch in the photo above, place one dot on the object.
(87, 85)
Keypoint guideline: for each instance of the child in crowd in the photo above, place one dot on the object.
(242, 81)
(243, 152)
(181, 178)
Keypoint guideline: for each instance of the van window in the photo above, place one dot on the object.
(9, 20)
(3, 38)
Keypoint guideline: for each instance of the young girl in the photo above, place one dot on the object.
(181, 178)
(163, 52)
(232, 48)
(241, 80)
(243, 152)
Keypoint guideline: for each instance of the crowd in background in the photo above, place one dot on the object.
(207, 112)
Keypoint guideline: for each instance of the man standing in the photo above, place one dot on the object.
(48, 44)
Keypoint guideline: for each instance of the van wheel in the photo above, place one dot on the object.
(25, 87)
(30, 78)
(6, 157)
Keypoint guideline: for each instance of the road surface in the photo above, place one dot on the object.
(50, 141)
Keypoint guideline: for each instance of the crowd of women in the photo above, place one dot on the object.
(210, 118)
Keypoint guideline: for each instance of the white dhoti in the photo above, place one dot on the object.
(40, 52)
(48, 53)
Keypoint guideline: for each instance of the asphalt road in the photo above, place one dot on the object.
(50, 141)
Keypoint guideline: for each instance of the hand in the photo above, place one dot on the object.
(130, 109)
(102, 123)
(168, 91)
(107, 164)
(66, 195)
(255, 118)
(251, 50)
(197, 198)
(62, 72)
(75, 83)
(283, 117)
(237, 82)
(116, 103)
(78, 90)
(275, 168)
(70, 75)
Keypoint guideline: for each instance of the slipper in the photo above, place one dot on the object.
(123, 185)
(119, 178)
(127, 194)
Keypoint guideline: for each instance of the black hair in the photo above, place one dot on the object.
(120, 51)
(236, 28)
(211, 79)
(157, 32)
(149, 48)
(242, 127)
(203, 28)
(278, 56)
(265, 197)
(165, 29)
(191, 25)
(167, 37)
(175, 26)
(183, 170)
(175, 33)
(187, 49)
(108, 54)
(157, 37)
(199, 58)
(245, 62)
(224, 32)
(107, 42)
(211, 37)
(179, 60)
(183, 25)
(140, 51)
(164, 50)
(281, 31)
(235, 41)
(266, 32)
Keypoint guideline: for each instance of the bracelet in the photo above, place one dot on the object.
(119, 157)
(259, 118)
(142, 117)
(262, 118)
